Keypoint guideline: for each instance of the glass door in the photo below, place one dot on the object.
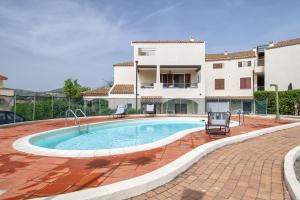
(179, 80)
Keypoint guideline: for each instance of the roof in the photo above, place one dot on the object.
(167, 41)
(151, 99)
(97, 92)
(122, 89)
(229, 97)
(126, 64)
(230, 56)
(285, 43)
(2, 78)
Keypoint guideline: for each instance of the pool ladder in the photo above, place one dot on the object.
(77, 119)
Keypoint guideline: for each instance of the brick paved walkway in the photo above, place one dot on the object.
(247, 170)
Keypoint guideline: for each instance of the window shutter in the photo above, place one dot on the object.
(219, 84)
(187, 80)
(245, 83)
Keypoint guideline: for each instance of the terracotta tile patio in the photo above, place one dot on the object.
(28, 176)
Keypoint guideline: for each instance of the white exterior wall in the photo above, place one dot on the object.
(124, 75)
(231, 74)
(172, 54)
(282, 67)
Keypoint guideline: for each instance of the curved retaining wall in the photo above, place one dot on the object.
(290, 178)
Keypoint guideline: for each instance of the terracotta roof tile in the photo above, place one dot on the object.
(230, 56)
(285, 43)
(3, 77)
(126, 64)
(167, 41)
(97, 92)
(122, 89)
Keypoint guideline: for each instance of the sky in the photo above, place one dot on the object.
(42, 43)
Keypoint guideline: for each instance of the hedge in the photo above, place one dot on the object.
(287, 101)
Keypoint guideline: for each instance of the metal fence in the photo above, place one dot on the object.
(50, 107)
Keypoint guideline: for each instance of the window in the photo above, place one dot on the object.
(146, 51)
(244, 63)
(217, 65)
(219, 84)
(129, 106)
(245, 83)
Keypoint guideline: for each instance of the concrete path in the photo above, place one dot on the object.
(247, 170)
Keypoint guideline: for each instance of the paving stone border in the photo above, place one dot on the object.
(138, 185)
(291, 181)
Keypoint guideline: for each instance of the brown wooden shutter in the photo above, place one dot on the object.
(219, 84)
(187, 80)
(245, 83)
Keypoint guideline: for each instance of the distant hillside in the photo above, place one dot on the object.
(56, 92)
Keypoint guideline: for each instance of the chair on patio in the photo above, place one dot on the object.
(150, 109)
(120, 112)
(218, 123)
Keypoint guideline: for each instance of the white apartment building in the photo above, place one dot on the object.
(179, 77)
(6, 95)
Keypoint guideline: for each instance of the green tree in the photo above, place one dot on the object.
(73, 89)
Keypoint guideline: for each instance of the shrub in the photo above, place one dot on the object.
(287, 100)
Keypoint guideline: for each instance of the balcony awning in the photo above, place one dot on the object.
(151, 99)
(196, 67)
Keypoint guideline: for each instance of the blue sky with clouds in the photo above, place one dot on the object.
(42, 43)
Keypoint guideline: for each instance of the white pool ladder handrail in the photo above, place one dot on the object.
(75, 117)
(79, 110)
(84, 115)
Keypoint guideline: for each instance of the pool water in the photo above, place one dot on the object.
(115, 135)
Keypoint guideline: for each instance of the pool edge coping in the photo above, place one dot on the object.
(141, 184)
(290, 179)
(23, 144)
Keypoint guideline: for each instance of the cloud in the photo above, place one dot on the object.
(157, 13)
(55, 28)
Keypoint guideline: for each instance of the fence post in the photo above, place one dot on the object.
(99, 106)
(52, 106)
(69, 103)
(33, 113)
(266, 106)
(15, 108)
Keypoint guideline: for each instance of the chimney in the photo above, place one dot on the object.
(192, 39)
(225, 53)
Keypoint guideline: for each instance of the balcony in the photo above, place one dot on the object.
(180, 85)
(259, 69)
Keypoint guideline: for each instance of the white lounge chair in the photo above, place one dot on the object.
(150, 109)
(120, 112)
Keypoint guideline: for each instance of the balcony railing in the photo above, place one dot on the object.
(147, 85)
(7, 92)
(180, 85)
(260, 88)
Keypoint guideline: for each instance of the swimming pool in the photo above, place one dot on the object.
(109, 138)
